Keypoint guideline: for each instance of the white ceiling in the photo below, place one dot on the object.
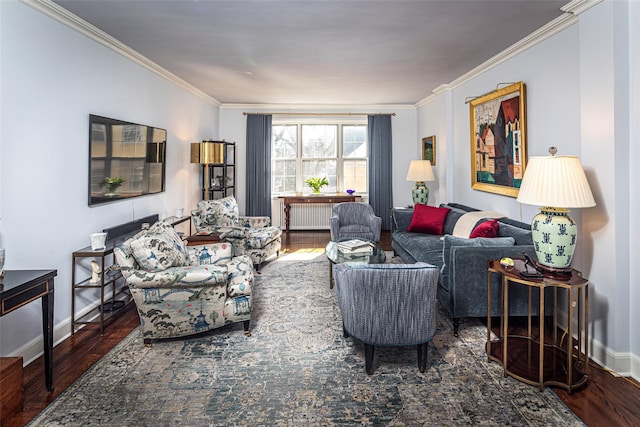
(317, 52)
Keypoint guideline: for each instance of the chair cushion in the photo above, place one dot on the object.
(158, 250)
(487, 229)
(216, 253)
(428, 219)
(257, 238)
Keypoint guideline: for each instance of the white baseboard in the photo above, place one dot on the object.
(625, 364)
(35, 348)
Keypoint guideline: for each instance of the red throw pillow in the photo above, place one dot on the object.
(428, 219)
(488, 229)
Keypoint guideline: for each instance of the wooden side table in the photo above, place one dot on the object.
(539, 359)
(20, 288)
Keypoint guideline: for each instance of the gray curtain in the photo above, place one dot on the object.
(258, 182)
(380, 178)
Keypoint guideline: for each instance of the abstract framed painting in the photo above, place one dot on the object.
(429, 149)
(498, 140)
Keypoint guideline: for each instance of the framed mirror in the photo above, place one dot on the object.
(125, 160)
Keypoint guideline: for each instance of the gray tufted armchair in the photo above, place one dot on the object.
(389, 305)
(355, 221)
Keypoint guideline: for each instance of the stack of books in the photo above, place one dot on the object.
(355, 247)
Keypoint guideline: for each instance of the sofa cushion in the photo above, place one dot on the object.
(450, 241)
(421, 247)
(520, 231)
(428, 219)
(158, 251)
(487, 229)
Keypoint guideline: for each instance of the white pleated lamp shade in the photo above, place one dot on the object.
(420, 170)
(557, 181)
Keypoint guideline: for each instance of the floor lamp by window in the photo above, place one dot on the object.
(207, 153)
(555, 183)
(420, 171)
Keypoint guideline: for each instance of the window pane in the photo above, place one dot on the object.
(319, 141)
(284, 141)
(354, 141)
(283, 173)
(319, 169)
(355, 175)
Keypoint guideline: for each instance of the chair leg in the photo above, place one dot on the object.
(247, 331)
(368, 358)
(344, 331)
(423, 351)
(456, 325)
(147, 342)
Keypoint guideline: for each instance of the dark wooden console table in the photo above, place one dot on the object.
(20, 288)
(310, 198)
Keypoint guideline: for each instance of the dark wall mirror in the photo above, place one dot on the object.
(125, 160)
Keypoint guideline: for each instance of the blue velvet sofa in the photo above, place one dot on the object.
(462, 286)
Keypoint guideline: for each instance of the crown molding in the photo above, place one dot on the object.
(557, 25)
(317, 107)
(576, 7)
(78, 24)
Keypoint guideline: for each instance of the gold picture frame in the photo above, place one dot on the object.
(498, 140)
(429, 149)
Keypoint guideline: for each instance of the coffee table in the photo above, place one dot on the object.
(335, 256)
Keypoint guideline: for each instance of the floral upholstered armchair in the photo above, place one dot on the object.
(180, 290)
(253, 236)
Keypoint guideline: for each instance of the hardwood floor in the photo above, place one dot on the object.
(606, 401)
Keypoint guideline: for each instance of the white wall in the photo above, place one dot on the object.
(578, 99)
(406, 144)
(52, 78)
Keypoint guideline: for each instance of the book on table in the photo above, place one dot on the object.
(353, 244)
(355, 248)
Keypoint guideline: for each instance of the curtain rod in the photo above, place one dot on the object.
(245, 113)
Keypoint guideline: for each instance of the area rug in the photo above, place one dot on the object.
(297, 369)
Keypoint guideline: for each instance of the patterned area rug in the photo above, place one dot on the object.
(297, 370)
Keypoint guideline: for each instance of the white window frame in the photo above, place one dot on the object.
(301, 187)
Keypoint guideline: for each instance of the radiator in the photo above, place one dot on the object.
(302, 217)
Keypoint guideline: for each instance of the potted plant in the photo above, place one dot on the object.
(316, 183)
(112, 185)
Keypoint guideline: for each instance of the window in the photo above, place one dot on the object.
(337, 151)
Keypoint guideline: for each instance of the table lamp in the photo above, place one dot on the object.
(420, 171)
(207, 153)
(555, 183)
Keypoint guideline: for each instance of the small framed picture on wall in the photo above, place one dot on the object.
(429, 149)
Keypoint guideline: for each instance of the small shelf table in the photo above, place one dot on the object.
(536, 358)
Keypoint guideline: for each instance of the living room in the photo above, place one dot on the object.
(582, 92)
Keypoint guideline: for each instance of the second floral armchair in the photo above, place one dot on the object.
(253, 236)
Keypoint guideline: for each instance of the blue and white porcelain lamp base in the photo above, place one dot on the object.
(420, 193)
(554, 236)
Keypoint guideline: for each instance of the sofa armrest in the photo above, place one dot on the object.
(401, 218)
(466, 277)
(178, 277)
(241, 276)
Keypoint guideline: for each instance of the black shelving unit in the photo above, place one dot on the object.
(109, 277)
(222, 175)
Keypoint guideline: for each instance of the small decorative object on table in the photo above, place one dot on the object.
(98, 241)
(316, 183)
(1, 265)
(95, 272)
(350, 192)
